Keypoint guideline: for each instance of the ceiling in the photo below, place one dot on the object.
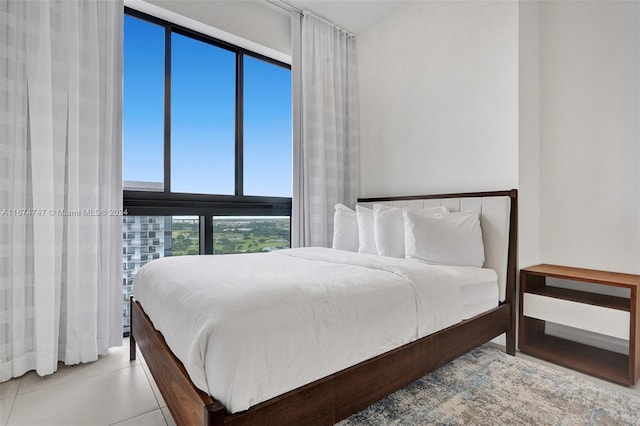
(352, 15)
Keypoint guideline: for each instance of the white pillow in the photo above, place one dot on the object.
(445, 239)
(345, 228)
(366, 239)
(388, 228)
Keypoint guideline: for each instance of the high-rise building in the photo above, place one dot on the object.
(144, 238)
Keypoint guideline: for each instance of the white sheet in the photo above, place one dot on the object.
(479, 297)
(479, 290)
(253, 326)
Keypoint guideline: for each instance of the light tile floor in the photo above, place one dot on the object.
(113, 391)
(110, 391)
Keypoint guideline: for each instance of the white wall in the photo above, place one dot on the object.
(439, 99)
(529, 149)
(590, 138)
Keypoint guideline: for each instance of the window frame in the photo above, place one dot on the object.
(206, 206)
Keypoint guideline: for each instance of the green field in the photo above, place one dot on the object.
(250, 235)
(232, 235)
(185, 237)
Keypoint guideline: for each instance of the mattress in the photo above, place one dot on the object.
(253, 326)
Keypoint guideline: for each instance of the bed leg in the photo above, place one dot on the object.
(511, 342)
(132, 347)
(511, 332)
(214, 414)
(132, 339)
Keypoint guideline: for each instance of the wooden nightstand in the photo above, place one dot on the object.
(608, 315)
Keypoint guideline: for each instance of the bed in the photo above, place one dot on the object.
(368, 373)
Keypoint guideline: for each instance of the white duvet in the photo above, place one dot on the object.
(253, 326)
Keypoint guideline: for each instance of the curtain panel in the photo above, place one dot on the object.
(326, 161)
(60, 182)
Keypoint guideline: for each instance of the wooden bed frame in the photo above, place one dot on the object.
(335, 397)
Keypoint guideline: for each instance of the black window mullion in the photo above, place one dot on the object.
(239, 124)
(167, 109)
(206, 233)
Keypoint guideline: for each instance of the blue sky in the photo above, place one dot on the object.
(203, 116)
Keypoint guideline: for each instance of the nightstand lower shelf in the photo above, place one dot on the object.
(594, 361)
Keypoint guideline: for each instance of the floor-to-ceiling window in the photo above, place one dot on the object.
(207, 146)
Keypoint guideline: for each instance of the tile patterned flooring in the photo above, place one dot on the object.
(111, 391)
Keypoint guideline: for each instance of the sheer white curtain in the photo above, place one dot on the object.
(60, 182)
(327, 169)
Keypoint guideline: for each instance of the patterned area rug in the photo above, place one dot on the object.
(488, 387)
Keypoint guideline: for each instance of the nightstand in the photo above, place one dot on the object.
(598, 313)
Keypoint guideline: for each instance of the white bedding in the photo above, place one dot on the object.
(253, 326)
(479, 293)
